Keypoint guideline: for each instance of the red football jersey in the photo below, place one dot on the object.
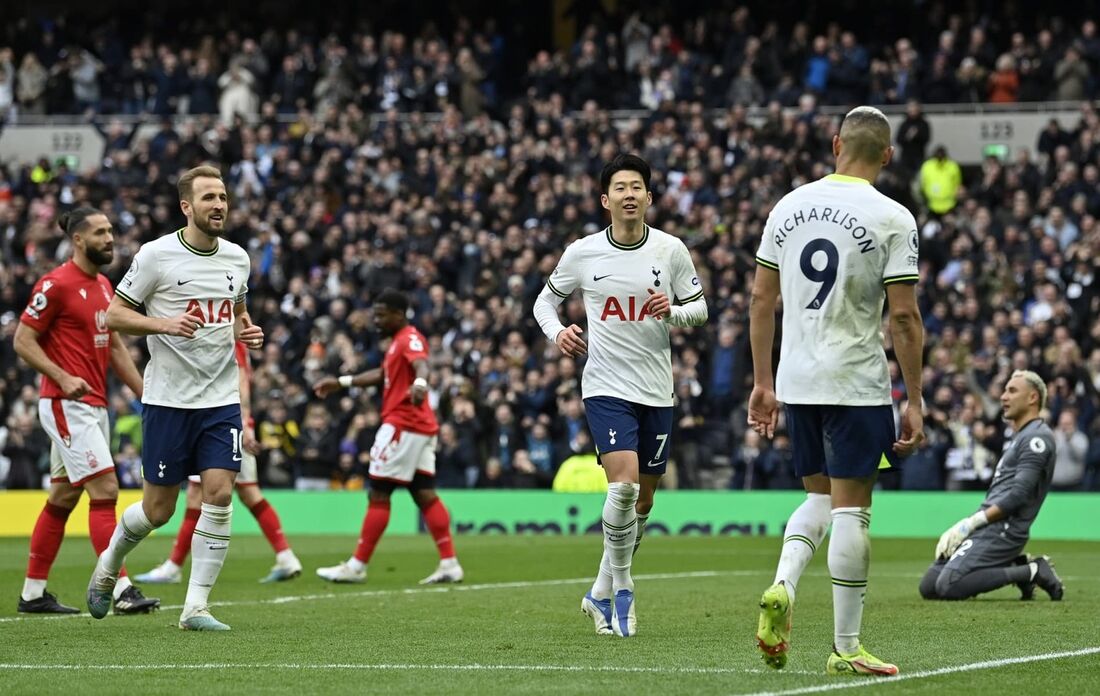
(407, 346)
(243, 360)
(68, 309)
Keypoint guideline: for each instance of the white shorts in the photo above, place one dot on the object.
(80, 436)
(247, 475)
(399, 456)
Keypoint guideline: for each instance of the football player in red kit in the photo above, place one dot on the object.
(63, 335)
(403, 454)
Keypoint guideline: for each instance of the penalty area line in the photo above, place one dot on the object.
(861, 682)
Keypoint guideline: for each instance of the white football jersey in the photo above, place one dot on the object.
(629, 355)
(170, 277)
(836, 244)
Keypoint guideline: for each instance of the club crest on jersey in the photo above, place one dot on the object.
(634, 311)
(656, 277)
(102, 339)
(223, 314)
(229, 277)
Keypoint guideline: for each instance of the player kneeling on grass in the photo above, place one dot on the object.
(403, 454)
(984, 551)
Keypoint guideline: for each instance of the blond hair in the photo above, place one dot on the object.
(865, 133)
(186, 183)
(1036, 382)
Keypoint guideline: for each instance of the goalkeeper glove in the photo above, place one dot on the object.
(950, 540)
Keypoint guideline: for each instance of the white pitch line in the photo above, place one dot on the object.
(458, 588)
(475, 667)
(432, 589)
(925, 674)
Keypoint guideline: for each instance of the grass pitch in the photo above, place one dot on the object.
(515, 626)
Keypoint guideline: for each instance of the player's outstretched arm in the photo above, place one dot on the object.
(124, 318)
(329, 385)
(28, 348)
(763, 406)
(123, 365)
(907, 332)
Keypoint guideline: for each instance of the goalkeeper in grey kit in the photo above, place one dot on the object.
(984, 551)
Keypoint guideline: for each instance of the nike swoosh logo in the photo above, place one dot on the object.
(596, 277)
(183, 282)
(652, 463)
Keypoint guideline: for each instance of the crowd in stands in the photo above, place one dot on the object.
(718, 58)
(342, 186)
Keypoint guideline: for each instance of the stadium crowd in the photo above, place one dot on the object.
(343, 185)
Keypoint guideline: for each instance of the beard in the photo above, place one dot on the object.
(100, 257)
(206, 228)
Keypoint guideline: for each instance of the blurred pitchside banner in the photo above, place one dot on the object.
(1067, 516)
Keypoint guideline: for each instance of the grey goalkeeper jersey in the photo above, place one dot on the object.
(1022, 478)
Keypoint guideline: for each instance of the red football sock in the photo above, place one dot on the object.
(101, 525)
(182, 547)
(46, 539)
(374, 524)
(439, 524)
(269, 523)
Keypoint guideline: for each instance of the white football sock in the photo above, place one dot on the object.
(121, 586)
(34, 588)
(209, 545)
(849, 561)
(642, 519)
(601, 588)
(620, 528)
(285, 557)
(132, 527)
(805, 531)
(448, 563)
(355, 564)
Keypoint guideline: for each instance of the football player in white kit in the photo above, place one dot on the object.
(834, 249)
(193, 284)
(636, 281)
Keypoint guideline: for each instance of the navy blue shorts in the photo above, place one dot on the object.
(841, 441)
(178, 442)
(617, 425)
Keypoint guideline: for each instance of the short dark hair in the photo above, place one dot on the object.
(624, 163)
(865, 132)
(73, 220)
(393, 299)
(186, 183)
